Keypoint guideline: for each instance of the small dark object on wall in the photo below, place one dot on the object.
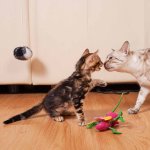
(23, 53)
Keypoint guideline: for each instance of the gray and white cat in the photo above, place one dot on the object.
(137, 63)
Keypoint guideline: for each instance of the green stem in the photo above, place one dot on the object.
(92, 124)
(119, 115)
(121, 97)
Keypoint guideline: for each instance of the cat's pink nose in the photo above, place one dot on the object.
(105, 65)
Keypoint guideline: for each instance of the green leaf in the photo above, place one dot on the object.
(114, 131)
(121, 119)
(91, 125)
(119, 115)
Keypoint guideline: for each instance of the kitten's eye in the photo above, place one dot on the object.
(110, 57)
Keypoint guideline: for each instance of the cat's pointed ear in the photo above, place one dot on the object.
(86, 52)
(125, 47)
(93, 56)
(96, 51)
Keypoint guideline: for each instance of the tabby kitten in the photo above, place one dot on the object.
(137, 63)
(69, 91)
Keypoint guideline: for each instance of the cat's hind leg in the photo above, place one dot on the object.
(56, 115)
(59, 118)
(68, 113)
(143, 93)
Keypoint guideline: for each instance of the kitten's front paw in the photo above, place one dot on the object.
(81, 123)
(100, 83)
(133, 111)
(59, 118)
(103, 84)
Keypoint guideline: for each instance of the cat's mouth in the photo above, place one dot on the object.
(109, 68)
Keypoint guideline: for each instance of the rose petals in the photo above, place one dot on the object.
(112, 114)
(102, 126)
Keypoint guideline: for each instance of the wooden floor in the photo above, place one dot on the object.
(42, 133)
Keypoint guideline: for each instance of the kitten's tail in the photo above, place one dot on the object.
(25, 114)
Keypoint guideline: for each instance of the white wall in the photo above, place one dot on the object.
(61, 30)
(58, 31)
(14, 32)
(58, 35)
(147, 22)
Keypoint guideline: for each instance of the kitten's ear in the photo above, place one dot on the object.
(125, 47)
(86, 52)
(93, 56)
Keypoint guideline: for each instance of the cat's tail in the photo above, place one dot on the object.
(25, 114)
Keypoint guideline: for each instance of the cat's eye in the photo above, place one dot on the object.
(110, 57)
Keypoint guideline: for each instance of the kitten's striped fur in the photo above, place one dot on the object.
(70, 91)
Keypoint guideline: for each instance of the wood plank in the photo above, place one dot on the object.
(42, 133)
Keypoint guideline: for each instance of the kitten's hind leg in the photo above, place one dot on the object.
(56, 116)
(140, 100)
(68, 113)
(59, 118)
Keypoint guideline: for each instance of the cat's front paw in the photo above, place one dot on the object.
(103, 84)
(133, 111)
(81, 123)
(100, 83)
